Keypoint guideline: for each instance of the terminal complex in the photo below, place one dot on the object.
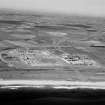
(34, 58)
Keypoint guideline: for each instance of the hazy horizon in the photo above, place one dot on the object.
(79, 7)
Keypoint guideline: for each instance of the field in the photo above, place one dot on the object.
(58, 34)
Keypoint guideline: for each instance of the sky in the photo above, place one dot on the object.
(81, 7)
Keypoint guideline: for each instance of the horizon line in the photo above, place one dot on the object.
(49, 13)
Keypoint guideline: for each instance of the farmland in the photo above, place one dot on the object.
(57, 35)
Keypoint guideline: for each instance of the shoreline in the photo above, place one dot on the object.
(51, 84)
